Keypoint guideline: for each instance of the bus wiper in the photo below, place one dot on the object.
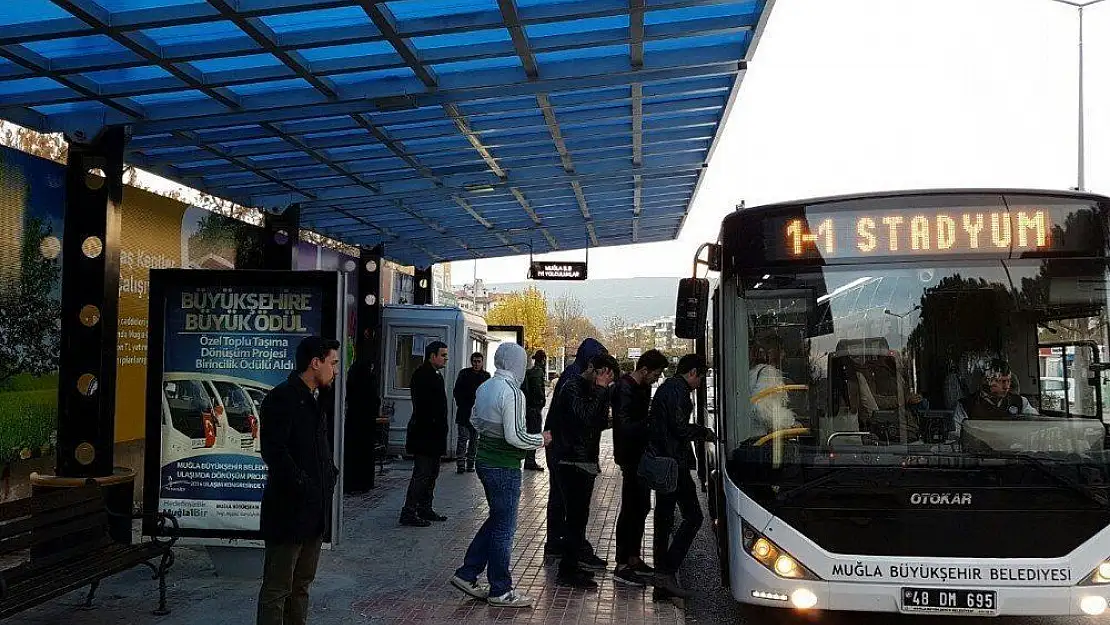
(833, 473)
(1048, 469)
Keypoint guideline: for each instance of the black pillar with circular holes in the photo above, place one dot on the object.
(90, 298)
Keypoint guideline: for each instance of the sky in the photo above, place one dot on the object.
(851, 96)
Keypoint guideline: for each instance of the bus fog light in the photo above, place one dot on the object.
(1093, 605)
(804, 599)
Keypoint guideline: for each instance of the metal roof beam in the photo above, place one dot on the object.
(447, 163)
(385, 22)
(168, 118)
(556, 133)
(546, 183)
(353, 35)
(510, 14)
(612, 163)
(523, 201)
(183, 14)
(141, 45)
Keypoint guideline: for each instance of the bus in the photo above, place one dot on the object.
(885, 439)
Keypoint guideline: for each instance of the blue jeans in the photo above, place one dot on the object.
(493, 545)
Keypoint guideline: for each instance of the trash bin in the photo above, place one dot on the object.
(119, 496)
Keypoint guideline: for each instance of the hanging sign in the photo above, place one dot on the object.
(570, 270)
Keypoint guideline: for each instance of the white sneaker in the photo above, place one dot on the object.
(474, 589)
(512, 599)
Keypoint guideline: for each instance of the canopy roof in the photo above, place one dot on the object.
(445, 129)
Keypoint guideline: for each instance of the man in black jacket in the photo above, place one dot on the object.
(670, 436)
(426, 439)
(535, 397)
(582, 413)
(466, 387)
(631, 398)
(556, 514)
(300, 481)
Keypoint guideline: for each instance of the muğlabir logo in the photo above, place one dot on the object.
(941, 499)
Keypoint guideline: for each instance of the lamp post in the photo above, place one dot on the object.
(1081, 164)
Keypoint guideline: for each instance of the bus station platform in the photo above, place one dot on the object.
(385, 573)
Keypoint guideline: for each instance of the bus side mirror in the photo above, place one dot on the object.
(691, 308)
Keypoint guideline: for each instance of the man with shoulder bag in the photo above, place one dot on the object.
(671, 435)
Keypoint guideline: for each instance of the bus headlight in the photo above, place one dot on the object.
(773, 557)
(1099, 576)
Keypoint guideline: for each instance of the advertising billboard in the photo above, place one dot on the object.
(219, 341)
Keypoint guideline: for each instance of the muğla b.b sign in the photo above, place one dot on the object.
(557, 271)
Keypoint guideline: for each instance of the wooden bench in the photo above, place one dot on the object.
(54, 543)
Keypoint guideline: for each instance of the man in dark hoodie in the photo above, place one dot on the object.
(556, 514)
(581, 415)
(466, 386)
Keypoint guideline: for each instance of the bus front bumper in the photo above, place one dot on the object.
(753, 584)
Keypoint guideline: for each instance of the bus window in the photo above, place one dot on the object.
(910, 355)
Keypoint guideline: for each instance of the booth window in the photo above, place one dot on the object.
(405, 361)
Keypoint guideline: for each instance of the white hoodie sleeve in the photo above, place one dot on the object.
(510, 360)
(512, 414)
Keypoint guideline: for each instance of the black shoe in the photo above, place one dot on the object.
(627, 575)
(460, 470)
(576, 581)
(592, 562)
(414, 521)
(470, 469)
(432, 515)
(641, 568)
(532, 466)
(667, 586)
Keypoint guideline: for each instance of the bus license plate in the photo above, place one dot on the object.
(951, 601)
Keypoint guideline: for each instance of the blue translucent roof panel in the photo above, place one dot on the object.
(439, 125)
(577, 26)
(416, 9)
(26, 11)
(74, 46)
(311, 20)
(466, 38)
(233, 63)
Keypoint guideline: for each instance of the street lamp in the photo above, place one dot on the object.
(1080, 5)
(900, 317)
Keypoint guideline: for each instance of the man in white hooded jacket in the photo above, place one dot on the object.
(499, 415)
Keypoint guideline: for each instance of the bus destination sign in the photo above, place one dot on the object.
(541, 270)
(918, 232)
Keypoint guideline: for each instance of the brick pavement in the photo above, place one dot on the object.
(383, 573)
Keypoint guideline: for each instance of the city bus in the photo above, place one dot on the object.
(887, 440)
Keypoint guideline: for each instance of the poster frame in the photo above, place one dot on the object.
(330, 327)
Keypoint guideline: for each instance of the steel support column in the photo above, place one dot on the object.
(90, 298)
(280, 234)
(422, 286)
(363, 431)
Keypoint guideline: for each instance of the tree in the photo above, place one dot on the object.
(52, 147)
(526, 308)
(30, 309)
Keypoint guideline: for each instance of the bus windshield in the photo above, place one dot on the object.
(889, 363)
